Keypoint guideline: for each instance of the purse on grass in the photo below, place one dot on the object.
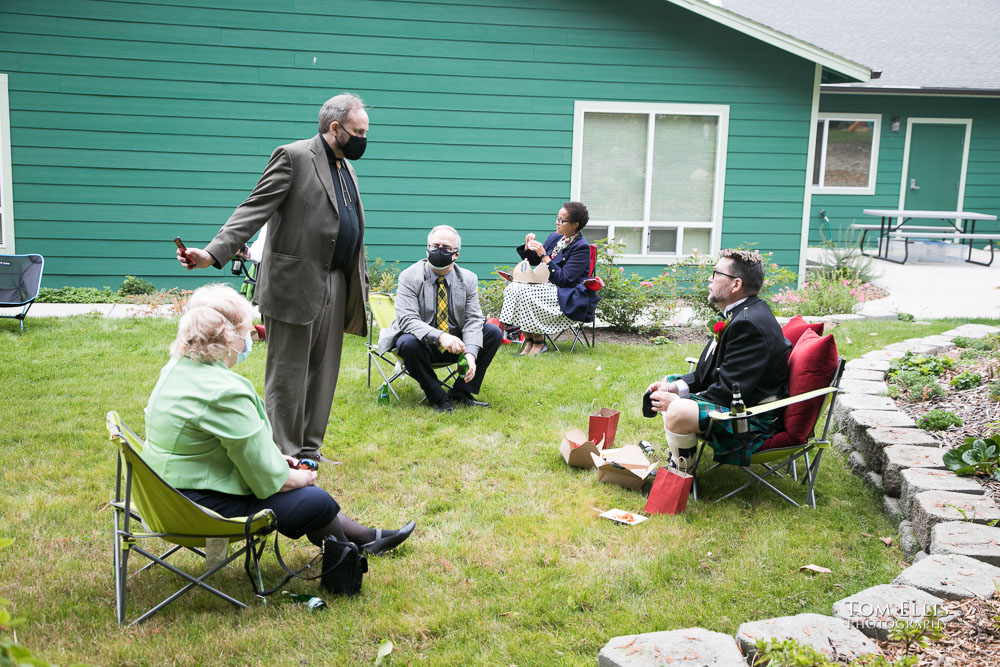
(343, 567)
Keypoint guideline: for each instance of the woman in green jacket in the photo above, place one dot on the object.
(209, 437)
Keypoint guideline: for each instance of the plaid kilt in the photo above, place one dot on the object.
(727, 446)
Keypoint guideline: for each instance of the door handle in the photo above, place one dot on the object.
(913, 184)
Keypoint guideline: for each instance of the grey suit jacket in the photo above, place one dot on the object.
(295, 196)
(416, 305)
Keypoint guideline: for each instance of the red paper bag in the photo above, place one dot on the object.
(603, 425)
(669, 494)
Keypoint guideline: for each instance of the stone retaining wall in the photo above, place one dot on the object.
(943, 522)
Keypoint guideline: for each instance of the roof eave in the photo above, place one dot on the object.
(780, 40)
(909, 90)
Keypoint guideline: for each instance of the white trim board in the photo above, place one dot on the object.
(875, 118)
(6, 182)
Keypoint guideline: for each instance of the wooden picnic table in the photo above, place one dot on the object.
(961, 227)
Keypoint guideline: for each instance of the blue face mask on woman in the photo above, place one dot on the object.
(247, 346)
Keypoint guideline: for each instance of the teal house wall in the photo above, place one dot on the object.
(135, 122)
(982, 186)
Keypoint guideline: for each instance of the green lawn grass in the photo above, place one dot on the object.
(509, 563)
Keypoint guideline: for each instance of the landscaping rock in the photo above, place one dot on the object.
(847, 403)
(868, 364)
(863, 386)
(943, 343)
(892, 509)
(908, 346)
(894, 460)
(843, 317)
(875, 611)
(856, 423)
(875, 440)
(842, 444)
(861, 374)
(919, 556)
(967, 539)
(934, 507)
(907, 539)
(951, 577)
(857, 464)
(873, 481)
(834, 637)
(971, 331)
(693, 647)
(883, 355)
(918, 480)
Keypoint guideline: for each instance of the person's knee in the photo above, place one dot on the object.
(682, 416)
(491, 334)
(407, 345)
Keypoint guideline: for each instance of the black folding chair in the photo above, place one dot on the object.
(20, 279)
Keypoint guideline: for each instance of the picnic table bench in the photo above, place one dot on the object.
(961, 227)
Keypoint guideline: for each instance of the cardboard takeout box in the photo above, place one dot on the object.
(525, 273)
(625, 466)
(577, 449)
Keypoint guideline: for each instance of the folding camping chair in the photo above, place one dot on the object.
(20, 279)
(382, 311)
(578, 329)
(148, 508)
(784, 457)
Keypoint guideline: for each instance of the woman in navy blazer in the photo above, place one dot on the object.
(549, 308)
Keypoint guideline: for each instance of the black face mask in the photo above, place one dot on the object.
(440, 258)
(354, 147)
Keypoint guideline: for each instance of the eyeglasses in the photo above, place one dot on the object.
(716, 273)
(560, 221)
(436, 246)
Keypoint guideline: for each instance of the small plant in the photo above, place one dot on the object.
(915, 386)
(133, 286)
(994, 390)
(660, 340)
(382, 276)
(969, 355)
(918, 634)
(938, 420)
(824, 293)
(77, 295)
(966, 380)
(920, 363)
(491, 294)
(977, 456)
(904, 317)
(790, 653)
(985, 343)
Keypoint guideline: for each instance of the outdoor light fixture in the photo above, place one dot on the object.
(894, 124)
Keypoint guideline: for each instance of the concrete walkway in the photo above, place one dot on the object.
(935, 290)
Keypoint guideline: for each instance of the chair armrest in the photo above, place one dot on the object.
(774, 405)
(692, 362)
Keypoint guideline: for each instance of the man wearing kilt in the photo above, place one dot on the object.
(748, 349)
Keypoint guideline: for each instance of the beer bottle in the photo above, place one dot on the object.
(383, 394)
(739, 410)
(463, 364)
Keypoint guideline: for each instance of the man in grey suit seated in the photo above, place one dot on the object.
(438, 318)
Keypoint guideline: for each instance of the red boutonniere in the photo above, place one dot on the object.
(718, 327)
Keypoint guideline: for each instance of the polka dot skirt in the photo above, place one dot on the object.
(533, 307)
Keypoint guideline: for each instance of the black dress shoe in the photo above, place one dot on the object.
(467, 399)
(443, 406)
(381, 544)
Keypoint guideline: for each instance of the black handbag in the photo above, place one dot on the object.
(343, 567)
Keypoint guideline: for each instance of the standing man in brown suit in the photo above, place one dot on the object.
(313, 282)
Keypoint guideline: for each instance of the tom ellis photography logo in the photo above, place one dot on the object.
(869, 615)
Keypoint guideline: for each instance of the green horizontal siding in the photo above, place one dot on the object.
(134, 122)
(982, 188)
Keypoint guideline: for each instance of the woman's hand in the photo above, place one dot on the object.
(528, 238)
(298, 479)
(537, 247)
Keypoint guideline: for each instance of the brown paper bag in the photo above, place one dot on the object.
(603, 424)
(669, 494)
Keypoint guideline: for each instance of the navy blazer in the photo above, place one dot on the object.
(752, 350)
(567, 271)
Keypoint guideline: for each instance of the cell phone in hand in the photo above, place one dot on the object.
(183, 248)
(647, 404)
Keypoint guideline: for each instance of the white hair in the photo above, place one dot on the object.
(446, 228)
(210, 324)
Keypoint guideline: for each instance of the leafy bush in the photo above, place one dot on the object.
(822, 294)
(969, 355)
(977, 456)
(904, 317)
(77, 295)
(994, 390)
(382, 276)
(132, 286)
(985, 343)
(938, 420)
(966, 380)
(923, 364)
(915, 386)
(843, 257)
(491, 295)
(790, 653)
(629, 302)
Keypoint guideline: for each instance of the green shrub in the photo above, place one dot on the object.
(629, 302)
(821, 294)
(985, 343)
(491, 294)
(994, 390)
(966, 380)
(969, 355)
(77, 295)
(790, 653)
(133, 286)
(938, 420)
(915, 386)
(904, 317)
(843, 257)
(923, 364)
(382, 276)
(977, 456)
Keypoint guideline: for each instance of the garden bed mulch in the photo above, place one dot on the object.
(970, 640)
(680, 335)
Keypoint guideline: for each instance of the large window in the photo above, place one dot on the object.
(846, 154)
(652, 175)
(6, 195)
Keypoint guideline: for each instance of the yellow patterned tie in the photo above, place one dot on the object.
(441, 314)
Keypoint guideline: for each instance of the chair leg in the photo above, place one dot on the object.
(120, 559)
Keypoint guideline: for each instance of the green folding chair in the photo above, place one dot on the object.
(382, 311)
(147, 509)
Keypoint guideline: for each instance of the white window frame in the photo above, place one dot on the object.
(6, 187)
(824, 117)
(652, 109)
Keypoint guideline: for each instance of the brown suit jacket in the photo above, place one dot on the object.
(296, 198)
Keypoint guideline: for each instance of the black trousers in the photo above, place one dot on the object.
(419, 358)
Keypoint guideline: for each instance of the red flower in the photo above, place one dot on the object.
(718, 327)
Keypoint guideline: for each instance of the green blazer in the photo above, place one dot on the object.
(206, 428)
